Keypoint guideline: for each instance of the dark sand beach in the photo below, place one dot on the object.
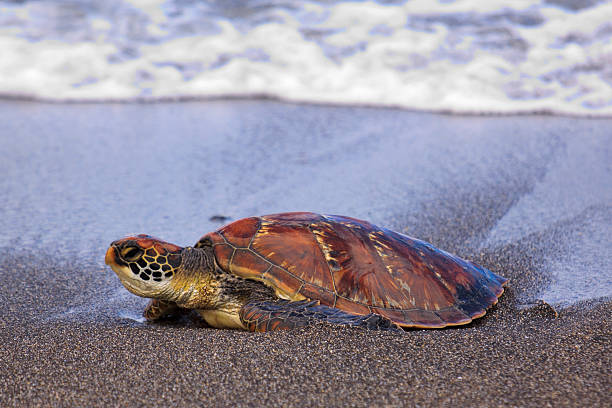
(528, 197)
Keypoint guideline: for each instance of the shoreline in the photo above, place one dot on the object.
(188, 99)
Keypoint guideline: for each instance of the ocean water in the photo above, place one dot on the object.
(464, 56)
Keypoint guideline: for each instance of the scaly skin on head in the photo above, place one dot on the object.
(196, 286)
(152, 268)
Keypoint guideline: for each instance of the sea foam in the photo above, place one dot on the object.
(467, 56)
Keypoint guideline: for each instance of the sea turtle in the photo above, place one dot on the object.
(292, 269)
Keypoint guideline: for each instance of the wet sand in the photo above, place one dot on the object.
(524, 196)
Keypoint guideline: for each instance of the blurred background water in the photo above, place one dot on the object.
(464, 56)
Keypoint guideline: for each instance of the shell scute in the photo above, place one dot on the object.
(349, 259)
(463, 279)
(248, 265)
(423, 318)
(420, 285)
(223, 254)
(360, 270)
(283, 281)
(294, 248)
(391, 314)
(453, 316)
(472, 306)
(352, 307)
(326, 297)
(240, 233)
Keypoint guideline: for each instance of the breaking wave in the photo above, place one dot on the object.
(464, 56)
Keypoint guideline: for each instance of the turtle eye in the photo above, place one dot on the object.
(131, 253)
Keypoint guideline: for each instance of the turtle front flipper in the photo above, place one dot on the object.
(156, 309)
(262, 316)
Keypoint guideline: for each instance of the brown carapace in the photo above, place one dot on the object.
(357, 267)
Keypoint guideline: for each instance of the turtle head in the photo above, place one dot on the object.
(144, 264)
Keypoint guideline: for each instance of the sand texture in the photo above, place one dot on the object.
(527, 197)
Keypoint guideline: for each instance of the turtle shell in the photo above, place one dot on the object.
(357, 267)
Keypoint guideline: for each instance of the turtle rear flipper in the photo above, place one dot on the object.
(282, 314)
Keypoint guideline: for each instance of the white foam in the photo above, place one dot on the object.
(463, 56)
(129, 315)
(119, 303)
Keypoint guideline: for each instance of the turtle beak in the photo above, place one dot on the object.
(111, 256)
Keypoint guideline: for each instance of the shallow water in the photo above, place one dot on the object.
(459, 56)
(76, 177)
